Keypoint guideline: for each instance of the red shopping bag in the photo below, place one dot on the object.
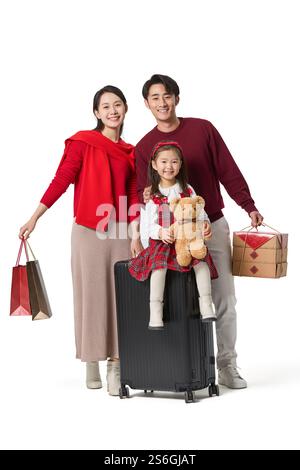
(19, 298)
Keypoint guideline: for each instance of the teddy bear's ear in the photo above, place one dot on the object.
(174, 203)
(200, 200)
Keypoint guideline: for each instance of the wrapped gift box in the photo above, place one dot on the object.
(259, 254)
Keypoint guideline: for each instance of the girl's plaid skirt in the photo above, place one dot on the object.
(160, 255)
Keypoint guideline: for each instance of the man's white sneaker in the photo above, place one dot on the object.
(113, 378)
(93, 379)
(230, 377)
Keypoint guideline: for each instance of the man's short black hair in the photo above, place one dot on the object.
(168, 82)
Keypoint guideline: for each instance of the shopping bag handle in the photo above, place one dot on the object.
(20, 252)
(27, 245)
(250, 227)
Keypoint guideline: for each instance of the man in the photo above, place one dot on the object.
(209, 163)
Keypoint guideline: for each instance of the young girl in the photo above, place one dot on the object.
(168, 180)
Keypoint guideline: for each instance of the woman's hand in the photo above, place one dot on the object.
(136, 247)
(166, 236)
(27, 228)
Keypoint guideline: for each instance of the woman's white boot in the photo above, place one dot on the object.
(93, 379)
(113, 377)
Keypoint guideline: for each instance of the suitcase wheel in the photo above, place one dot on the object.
(124, 391)
(213, 389)
(189, 396)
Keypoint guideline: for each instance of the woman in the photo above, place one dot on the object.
(101, 165)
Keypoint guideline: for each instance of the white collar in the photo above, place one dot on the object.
(166, 191)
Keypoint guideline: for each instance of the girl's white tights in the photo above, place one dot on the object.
(157, 287)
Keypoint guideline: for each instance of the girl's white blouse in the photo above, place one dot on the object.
(151, 209)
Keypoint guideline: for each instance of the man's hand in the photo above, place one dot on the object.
(207, 230)
(146, 194)
(256, 218)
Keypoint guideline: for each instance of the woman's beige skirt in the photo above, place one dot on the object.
(94, 293)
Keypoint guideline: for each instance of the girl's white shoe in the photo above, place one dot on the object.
(156, 315)
(207, 308)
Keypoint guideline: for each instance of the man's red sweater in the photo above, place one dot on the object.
(209, 163)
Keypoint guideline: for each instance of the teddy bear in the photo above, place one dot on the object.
(189, 229)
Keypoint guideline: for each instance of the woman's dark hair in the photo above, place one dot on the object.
(96, 102)
(168, 82)
(154, 177)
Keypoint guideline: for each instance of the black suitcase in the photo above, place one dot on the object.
(179, 358)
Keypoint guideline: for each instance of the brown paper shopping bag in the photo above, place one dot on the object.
(259, 254)
(40, 306)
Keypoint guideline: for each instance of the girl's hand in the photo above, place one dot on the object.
(147, 194)
(166, 236)
(136, 247)
(27, 228)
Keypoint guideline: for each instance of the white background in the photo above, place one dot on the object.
(237, 63)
